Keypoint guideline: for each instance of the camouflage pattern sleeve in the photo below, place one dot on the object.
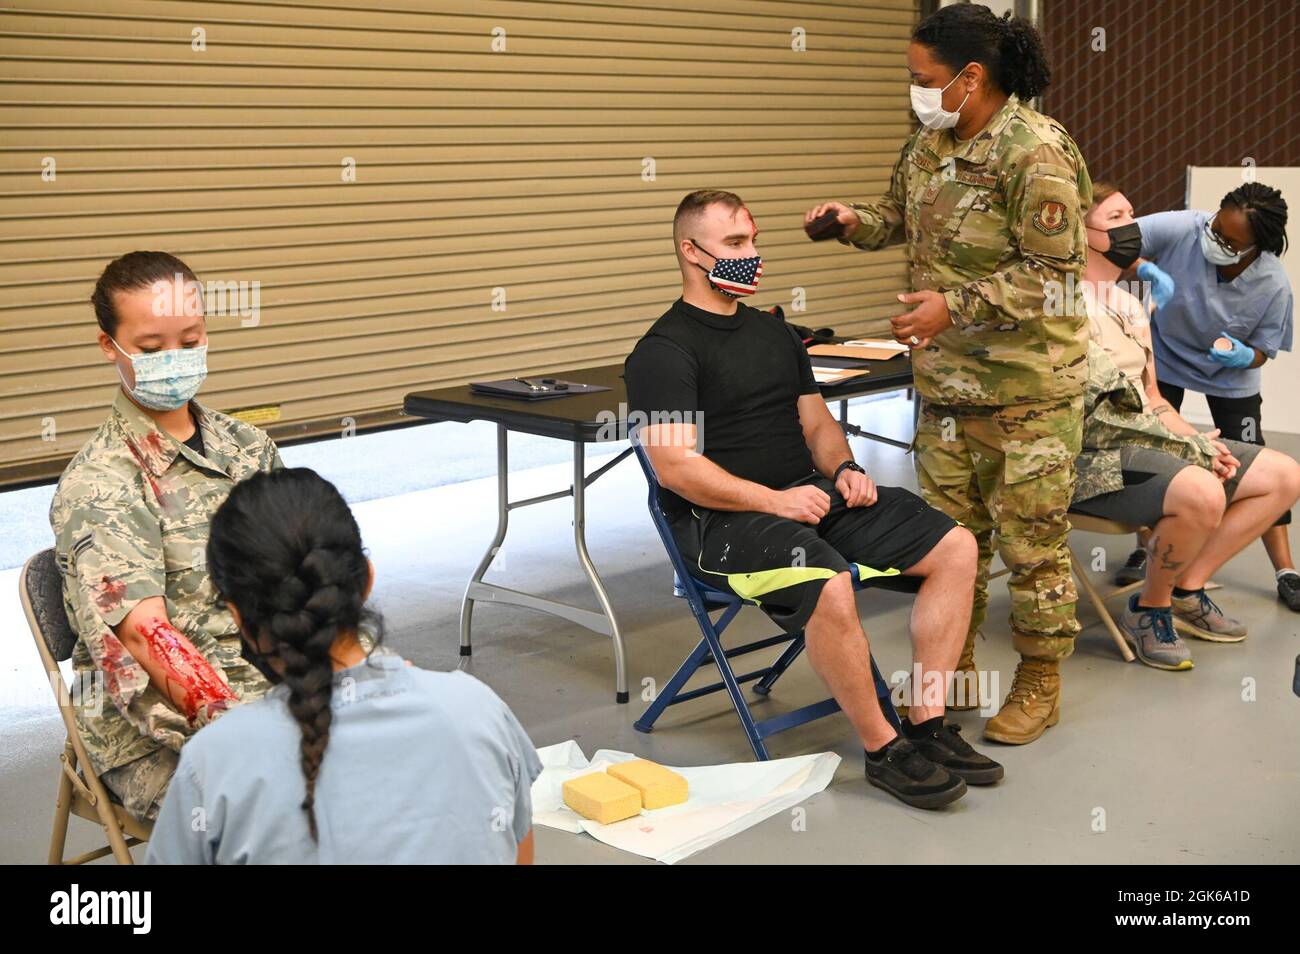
(882, 220)
(111, 554)
(1113, 418)
(1046, 202)
(270, 457)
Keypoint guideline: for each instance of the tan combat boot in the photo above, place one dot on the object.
(968, 686)
(1033, 704)
(966, 664)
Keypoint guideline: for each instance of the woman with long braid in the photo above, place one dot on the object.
(352, 757)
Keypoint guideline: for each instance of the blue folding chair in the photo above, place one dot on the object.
(705, 599)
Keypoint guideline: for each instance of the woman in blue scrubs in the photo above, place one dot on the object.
(1230, 312)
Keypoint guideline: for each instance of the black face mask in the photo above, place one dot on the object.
(1125, 245)
(258, 661)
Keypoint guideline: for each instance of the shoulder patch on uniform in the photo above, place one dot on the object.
(1050, 218)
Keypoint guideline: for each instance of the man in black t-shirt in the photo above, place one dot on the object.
(765, 500)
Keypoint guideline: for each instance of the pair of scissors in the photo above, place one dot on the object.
(548, 384)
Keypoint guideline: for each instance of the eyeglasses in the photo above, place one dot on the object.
(1222, 242)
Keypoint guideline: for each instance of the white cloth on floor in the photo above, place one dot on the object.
(724, 799)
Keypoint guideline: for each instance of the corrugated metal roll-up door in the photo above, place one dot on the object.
(515, 165)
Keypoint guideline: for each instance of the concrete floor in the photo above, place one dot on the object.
(1180, 768)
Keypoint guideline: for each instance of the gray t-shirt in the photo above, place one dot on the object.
(421, 768)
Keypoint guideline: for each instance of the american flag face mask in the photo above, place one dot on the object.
(734, 277)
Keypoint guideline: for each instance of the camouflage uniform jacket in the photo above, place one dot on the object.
(130, 520)
(1113, 419)
(996, 224)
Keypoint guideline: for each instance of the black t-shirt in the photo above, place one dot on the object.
(738, 379)
(195, 442)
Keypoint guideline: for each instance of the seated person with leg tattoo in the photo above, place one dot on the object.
(765, 500)
(1204, 500)
(1120, 323)
(130, 520)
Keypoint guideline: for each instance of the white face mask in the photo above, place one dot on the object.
(928, 105)
(166, 380)
(1215, 253)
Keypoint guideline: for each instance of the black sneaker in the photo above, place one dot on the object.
(913, 779)
(947, 749)
(1288, 591)
(1134, 571)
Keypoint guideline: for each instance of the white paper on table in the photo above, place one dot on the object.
(724, 799)
(875, 343)
(824, 375)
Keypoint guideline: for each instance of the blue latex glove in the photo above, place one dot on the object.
(1162, 285)
(1241, 356)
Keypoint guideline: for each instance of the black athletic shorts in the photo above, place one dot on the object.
(1147, 475)
(1238, 419)
(782, 564)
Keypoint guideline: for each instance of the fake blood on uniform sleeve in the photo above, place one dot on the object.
(109, 592)
(114, 661)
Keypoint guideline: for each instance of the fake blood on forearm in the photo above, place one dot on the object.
(190, 678)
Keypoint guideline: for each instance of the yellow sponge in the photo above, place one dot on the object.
(659, 787)
(601, 798)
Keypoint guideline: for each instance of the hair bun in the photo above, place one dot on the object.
(1009, 47)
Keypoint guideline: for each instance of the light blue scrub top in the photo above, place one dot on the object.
(1255, 308)
(421, 768)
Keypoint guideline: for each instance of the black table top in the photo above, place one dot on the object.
(598, 416)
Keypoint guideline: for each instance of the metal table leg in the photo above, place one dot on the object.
(604, 622)
(580, 542)
(503, 519)
(854, 431)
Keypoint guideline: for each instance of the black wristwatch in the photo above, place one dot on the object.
(847, 465)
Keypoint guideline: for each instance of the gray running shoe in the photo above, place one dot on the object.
(1197, 615)
(1151, 633)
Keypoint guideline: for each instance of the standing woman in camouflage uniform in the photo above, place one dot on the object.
(989, 197)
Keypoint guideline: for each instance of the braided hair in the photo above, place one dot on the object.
(1008, 47)
(285, 551)
(1265, 212)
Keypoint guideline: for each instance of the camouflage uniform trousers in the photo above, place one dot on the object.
(1009, 470)
(141, 784)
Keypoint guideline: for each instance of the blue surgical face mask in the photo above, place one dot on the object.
(166, 380)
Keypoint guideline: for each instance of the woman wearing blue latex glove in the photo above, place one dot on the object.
(1230, 285)
(1162, 285)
